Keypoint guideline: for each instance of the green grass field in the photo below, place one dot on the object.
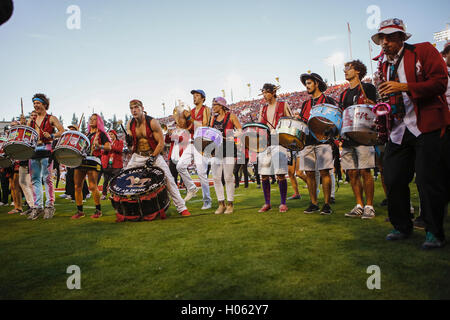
(246, 255)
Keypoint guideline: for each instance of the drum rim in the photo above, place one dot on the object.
(22, 126)
(211, 128)
(256, 124)
(76, 132)
(11, 142)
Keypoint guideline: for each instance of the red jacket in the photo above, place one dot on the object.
(427, 78)
(115, 153)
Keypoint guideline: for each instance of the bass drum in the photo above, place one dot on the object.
(139, 194)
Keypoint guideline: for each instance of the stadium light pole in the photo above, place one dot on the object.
(249, 90)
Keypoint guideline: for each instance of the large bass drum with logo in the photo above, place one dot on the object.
(139, 194)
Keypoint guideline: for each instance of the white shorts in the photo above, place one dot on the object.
(316, 157)
(273, 160)
(358, 157)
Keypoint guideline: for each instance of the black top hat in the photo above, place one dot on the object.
(314, 76)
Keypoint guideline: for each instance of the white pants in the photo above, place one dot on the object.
(139, 161)
(225, 165)
(201, 163)
(25, 184)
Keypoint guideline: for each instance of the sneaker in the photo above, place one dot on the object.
(64, 196)
(49, 212)
(283, 208)
(103, 197)
(396, 235)
(69, 198)
(190, 194)
(356, 212)
(419, 223)
(383, 203)
(258, 186)
(88, 196)
(97, 214)
(27, 212)
(431, 242)
(185, 213)
(369, 213)
(332, 200)
(326, 210)
(1, 204)
(265, 208)
(206, 206)
(312, 208)
(78, 215)
(36, 213)
(295, 197)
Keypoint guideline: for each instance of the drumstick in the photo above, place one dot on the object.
(82, 115)
(363, 92)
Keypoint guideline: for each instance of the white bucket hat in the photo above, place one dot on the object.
(390, 26)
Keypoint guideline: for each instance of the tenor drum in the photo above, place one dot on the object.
(206, 140)
(71, 148)
(359, 124)
(21, 143)
(256, 136)
(292, 133)
(325, 121)
(139, 194)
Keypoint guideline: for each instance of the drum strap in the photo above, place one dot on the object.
(309, 104)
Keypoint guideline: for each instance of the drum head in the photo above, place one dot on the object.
(133, 183)
(256, 136)
(69, 158)
(18, 151)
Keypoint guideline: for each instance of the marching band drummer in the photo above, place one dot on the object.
(357, 159)
(144, 135)
(316, 155)
(41, 168)
(91, 166)
(224, 159)
(273, 161)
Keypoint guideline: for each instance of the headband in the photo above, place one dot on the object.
(40, 100)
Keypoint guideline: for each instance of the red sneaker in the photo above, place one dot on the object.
(79, 215)
(283, 208)
(96, 215)
(265, 208)
(186, 213)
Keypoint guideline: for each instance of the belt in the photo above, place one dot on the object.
(144, 153)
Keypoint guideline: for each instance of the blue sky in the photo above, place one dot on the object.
(158, 51)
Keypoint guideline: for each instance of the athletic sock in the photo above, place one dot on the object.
(266, 189)
(282, 184)
(80, 208)
(98, 207)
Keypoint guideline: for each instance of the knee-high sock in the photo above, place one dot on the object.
(266, 189)
(282, 184)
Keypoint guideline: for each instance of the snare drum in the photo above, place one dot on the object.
(206, 140)
(325, 121)
(5, 162)
(21, 143)
(139, 194)
(256, 136)
(71, 148)
(292, 133)
(359, 124)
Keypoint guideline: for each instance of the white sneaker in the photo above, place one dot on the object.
(191, 194)
(64, 196)
(206, 206)
(12, 204)
(1, 204)
(369, 213)
(88, 196)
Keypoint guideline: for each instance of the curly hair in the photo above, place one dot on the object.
(44, 98)
(358, 66)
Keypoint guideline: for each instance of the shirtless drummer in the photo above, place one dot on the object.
(146, 140)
